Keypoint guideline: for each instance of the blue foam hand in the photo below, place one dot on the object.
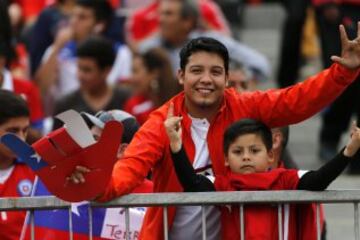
(24, 151)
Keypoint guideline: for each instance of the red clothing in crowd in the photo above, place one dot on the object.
(267, 228)
(144, 22)
(32, 96)
(18, 184)
(29, 91)
(31, 8)
(149, 148)
(140, 107)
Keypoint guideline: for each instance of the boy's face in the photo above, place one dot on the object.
(90, 75)
(18, 126)
(248, 154)
(204, 80)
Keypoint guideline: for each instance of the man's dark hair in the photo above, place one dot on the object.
(102, 9)
(12, 106)
(99, 49)
(204, 44)
(247, 126)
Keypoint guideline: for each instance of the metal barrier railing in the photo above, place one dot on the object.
(198, 199)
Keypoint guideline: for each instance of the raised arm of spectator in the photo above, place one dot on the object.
(47, 73)
(301, 101)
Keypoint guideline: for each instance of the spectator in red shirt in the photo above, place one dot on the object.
(144, 22)
(16, 179)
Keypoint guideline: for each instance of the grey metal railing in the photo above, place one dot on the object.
(201, 199)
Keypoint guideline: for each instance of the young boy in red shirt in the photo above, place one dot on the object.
(16, 178)
(248, 157)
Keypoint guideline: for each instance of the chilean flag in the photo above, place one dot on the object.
(107, 223)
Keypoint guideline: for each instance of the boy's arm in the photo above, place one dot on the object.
(190, 181)
(320, 179)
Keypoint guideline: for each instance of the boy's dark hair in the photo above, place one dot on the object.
(205, 44)
(12, 106)
(247, 126)
(99, 49)
(102, 9)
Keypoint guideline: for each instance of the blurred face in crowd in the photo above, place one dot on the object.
(204, 80)
(82, 22)
(90, 75)
(238, 81)
(248, 154)
(18, 126)
(141, 76)
(172, 25)
(96, 132)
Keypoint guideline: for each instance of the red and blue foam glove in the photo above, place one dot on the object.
(54, 158)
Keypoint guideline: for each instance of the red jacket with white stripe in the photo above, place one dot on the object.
(149, 148)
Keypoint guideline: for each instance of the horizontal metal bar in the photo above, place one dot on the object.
(205, 198)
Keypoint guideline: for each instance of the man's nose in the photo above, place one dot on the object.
(206, 77)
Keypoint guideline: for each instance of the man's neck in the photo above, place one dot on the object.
(98, 100)
(202, 112)
(98, 92)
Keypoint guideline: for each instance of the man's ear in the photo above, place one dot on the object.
(180, 76)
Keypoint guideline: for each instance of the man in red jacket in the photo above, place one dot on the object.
(207, 108)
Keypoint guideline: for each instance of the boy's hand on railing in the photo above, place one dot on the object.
(350, 50)
(354, 143)
(173, 129)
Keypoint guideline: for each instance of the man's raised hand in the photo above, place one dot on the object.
(173, 129)
(350, 50)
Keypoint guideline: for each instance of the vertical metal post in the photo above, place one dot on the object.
(166, 228)
(242, 222)
(127, 223)
(318, 230)
(90, 222)
(203, 225)
(70, 224)
(356, 220)
(280, 222)
(32, 224)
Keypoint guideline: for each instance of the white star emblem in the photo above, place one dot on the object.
(38, 158)
(74, 207)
